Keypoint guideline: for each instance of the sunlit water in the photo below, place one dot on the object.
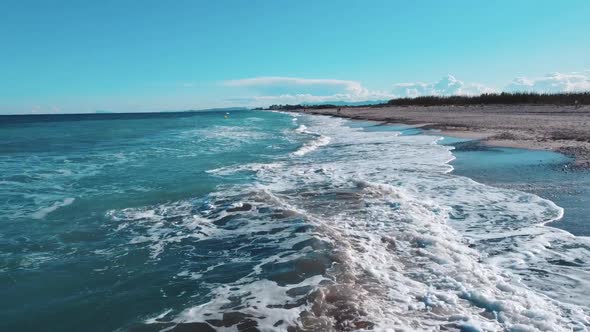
(272, 222)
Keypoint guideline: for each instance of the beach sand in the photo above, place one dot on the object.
(564, 129)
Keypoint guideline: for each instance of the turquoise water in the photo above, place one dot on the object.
(63, 260)
(547, 174)
(273, 222)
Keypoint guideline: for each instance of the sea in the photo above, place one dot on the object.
(270, 221)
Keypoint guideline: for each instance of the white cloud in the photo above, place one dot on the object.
(555, 82)
(446, 86)
(293, 81)
(307, 99)
(293, 90)
(551, 83)
(262, 91)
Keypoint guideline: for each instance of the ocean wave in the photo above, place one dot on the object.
(158, 226)
(301, 129)
(395, 242)
(43, 212)
(252, 167)
(309, 146)
(312, 145)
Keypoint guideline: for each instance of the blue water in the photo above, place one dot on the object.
(264, 221)
(547, 174)
(64, 267)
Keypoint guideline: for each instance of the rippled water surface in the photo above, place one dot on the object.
(272, 222)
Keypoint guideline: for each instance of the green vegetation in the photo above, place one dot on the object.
(504, 98)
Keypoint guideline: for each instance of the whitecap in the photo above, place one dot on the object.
(414, 247)
(312, 145)
(43, 212)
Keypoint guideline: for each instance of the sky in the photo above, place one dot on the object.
(130, 56)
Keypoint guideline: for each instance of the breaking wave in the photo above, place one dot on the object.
(373, 233)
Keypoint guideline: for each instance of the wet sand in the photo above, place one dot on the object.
(564, 129)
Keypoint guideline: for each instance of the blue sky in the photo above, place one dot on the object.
(84, 56)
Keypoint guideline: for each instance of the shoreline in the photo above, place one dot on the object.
(552, 181)
(563, 129)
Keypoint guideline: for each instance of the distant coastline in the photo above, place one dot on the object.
(557, 122)
(504, 98)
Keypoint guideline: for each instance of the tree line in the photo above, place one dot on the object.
(504, 98)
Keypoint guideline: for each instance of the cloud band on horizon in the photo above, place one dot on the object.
(293, 90)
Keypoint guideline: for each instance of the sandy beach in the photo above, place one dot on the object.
(564, 129)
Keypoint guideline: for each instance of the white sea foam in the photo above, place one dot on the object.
(301, 129)
(414, 247)
(156, 230)
(253, 167)
(43, 212)
(433, 259)
(231, 133)
(312, 145)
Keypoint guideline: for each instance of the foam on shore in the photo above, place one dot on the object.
(393, 241)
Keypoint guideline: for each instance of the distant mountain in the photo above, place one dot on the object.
(221, 109)
(349, 103)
